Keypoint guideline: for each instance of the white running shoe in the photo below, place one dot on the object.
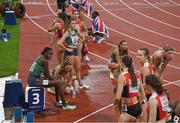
(87, 58)
(60, 103)
(51, 90)
(84, 86)
(69, 107)
(111, 75)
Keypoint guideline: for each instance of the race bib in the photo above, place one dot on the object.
(176, 119)
(134, 89)
(124, 108)
(165, 103)
(75, 40)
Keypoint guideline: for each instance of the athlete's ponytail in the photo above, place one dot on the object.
(127, 60)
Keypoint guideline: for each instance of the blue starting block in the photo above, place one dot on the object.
(23, 115)
(30, 117)
(13, 94)
(18, 114)
(9, 18)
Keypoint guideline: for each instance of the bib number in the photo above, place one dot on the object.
(124, 108)
(75, 40)
(164, 103)
(134, 89)
(176, 119)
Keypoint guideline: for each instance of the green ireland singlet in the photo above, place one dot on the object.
(36, 68)
(113, 57)
(72, 39)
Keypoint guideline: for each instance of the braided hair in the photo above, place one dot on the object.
(46, 50)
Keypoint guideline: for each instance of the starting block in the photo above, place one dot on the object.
(10, 18)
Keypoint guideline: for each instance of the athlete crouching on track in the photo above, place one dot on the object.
(65, 73)
(72, 39)
(160, 59)
(158, 105)
(129, 93)
(40, 67)
(115, 64)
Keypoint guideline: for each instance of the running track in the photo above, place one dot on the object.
(143, 23)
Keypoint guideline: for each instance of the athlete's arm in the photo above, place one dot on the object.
(45, 65)
(121, 81)
(152, 110)
(82, 37)
(62, 40)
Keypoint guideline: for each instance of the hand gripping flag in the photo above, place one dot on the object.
(82, 5)
(99, 26)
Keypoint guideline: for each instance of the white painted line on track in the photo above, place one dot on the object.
(41, 16)
(92, 113)
(162, 9)
(157, 33)
(174, 2)
(149, 16)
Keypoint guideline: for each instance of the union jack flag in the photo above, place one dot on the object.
(83, 5)
(99, 26)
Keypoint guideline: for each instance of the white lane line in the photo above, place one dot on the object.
(174, 2)
(157, 33)
(92, 113)
(41, 16)
(161, 9)
(149, 16)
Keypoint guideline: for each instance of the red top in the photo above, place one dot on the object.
(128, 89)
(163, 106)
(150, 68)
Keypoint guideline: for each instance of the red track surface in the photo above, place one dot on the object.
(127, 24)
